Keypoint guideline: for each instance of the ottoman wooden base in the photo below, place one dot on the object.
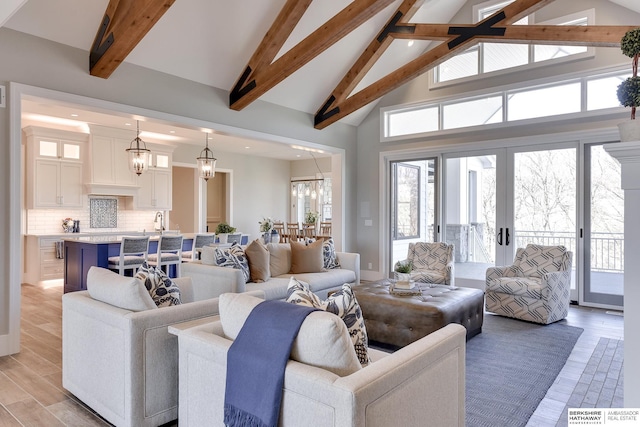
(401, 320)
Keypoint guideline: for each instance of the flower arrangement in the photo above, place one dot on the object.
(311, 217)
(629, 90)
(266, 225)
(67, 225)
(224, 228)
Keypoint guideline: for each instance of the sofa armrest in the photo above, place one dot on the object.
(350, 261)
(211, 281)
(137, 346)
(502, 271)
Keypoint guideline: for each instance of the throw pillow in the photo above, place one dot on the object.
(120, 291)
(342, 303)
(329, 254)
(163, 291)
(279, 258)
(323, 340)
(208, 255)
(258, 257)
(233, 257)
(306, 258)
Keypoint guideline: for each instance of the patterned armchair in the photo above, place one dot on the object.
(535, 288)
(432, 262)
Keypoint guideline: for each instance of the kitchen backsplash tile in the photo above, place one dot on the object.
(43, 221)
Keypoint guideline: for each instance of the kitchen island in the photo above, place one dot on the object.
(83, 252)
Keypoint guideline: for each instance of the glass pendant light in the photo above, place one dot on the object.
(138, 156)
(206, 162)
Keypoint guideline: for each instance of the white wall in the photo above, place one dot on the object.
(36, 62)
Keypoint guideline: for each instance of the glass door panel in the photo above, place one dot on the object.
(544, 197)
(604, 229)
(413, 205)
(470, 213)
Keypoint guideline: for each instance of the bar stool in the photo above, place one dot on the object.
(133, 252)
(169, 253)
(234, 237)
(199, 241)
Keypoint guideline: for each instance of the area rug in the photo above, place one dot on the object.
(510, 367)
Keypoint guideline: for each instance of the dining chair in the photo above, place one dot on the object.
(279, 227)
(169, 253)
(199, 240)
(134, 251)
(308, 231)
(325, 229)
(293, 231)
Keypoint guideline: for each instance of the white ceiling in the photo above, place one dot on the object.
(210, 42)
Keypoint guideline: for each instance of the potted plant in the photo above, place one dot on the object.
(222, 231)
(402, 270)
(266, 226)
(629, 90)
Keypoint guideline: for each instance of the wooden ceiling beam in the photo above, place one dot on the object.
(248, 89)
(458, 38)
(577, 35)
(124, 24)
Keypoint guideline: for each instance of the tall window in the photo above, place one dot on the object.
(407, 201)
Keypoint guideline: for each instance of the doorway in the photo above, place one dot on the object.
(217, 201)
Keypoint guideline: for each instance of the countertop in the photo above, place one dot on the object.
(114, 238)
(63, 235)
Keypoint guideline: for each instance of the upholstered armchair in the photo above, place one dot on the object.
(432, 262)
(535, 288)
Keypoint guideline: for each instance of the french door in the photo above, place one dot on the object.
(496, 201)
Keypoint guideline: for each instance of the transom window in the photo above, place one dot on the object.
(484, 58)
(570, 96)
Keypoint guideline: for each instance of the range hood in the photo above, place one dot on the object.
(95, 189)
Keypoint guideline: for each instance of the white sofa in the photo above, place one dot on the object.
(120, 362)
(210, 281)
(422, 383)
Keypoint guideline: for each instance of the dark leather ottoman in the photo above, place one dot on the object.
(401, 320)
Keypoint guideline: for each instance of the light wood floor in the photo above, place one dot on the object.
(31, 392)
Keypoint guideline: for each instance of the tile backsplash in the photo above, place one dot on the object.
(43, 221)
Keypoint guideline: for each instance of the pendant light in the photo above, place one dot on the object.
(206, 162)
(138, 156)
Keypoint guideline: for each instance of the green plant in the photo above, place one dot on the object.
(403, 266)
(311, 217)
(629, 90)
(266, 225)
(224, 228)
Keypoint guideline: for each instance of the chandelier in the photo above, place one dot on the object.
(206, 162)
(138, 155)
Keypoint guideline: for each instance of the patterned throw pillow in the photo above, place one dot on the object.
(329, 254)
(233, 257)
(161, 288)
(342, 303)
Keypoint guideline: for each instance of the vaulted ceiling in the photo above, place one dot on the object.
(330, 59)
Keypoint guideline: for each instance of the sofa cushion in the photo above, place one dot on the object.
(306, 258)
(330, 260)
(258, 257)
(323, 340)
(279, 258)
(128, 293)
(163, 291)
(342, 303)
(208, 255)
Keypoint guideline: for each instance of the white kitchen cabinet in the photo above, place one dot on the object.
(156, 184)
(109, 161)
(54, 159)
(42, 262)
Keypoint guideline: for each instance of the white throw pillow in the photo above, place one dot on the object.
(120, 291)
(279, 258)
(323, 340)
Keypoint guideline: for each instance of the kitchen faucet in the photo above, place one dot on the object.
(155, 221)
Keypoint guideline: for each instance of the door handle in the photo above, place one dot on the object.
(499, 240)
(507, 236)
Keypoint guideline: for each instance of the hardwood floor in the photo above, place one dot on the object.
(31, 392)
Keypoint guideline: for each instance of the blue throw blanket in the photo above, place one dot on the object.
(256, 362)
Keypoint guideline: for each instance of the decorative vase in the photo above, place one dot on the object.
(629, 130)
(403, 277)
(222, 237)
(266, 237)
(275, 236)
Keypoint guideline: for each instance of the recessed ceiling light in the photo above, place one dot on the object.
(127, 124)
(410, 43)
(172, 131)
(74, 115)
(247, 147)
